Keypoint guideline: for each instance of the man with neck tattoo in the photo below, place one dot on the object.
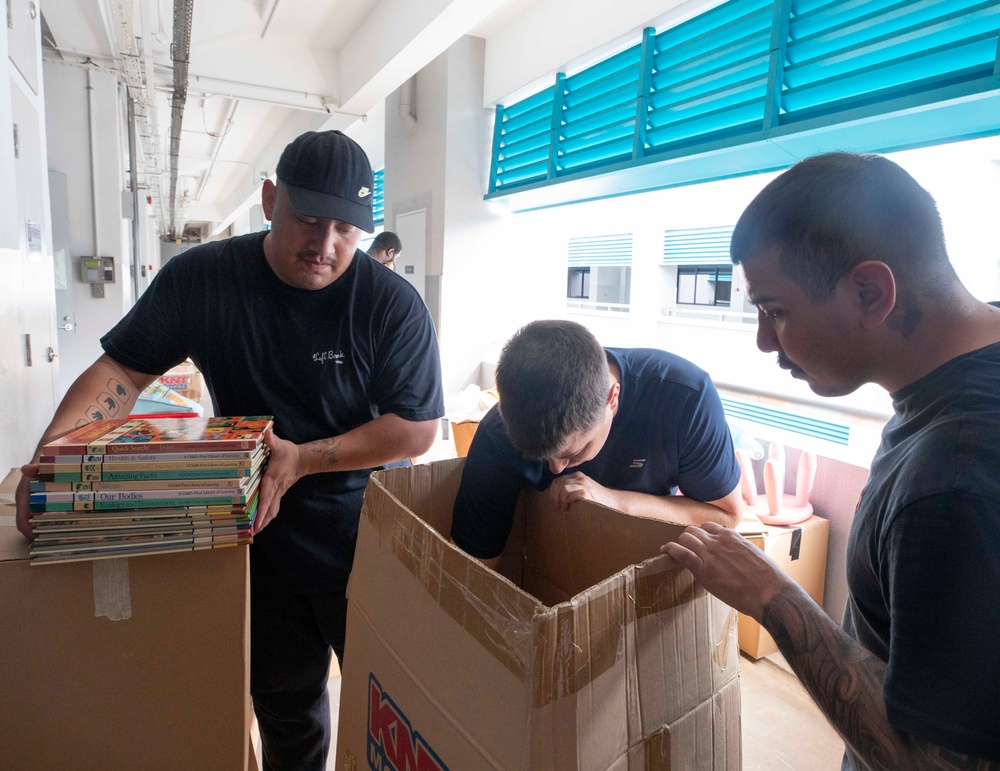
(845, 260)
(298, 323)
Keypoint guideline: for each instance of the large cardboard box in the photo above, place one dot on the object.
(132, 663)
(598, 653)
(800, 550)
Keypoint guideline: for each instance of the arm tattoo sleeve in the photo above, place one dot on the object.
(846, 681)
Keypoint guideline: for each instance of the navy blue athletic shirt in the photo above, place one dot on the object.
(669, 432)
(321, 361)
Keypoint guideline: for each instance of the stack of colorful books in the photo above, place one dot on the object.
(115, 488)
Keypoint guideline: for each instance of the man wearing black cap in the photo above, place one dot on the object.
(297, 323)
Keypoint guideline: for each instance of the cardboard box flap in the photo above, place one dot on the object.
(610, 540)
(428, 491)
(488, 607)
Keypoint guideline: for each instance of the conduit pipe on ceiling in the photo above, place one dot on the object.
(93, 164)
(227, 124)
(407, 112)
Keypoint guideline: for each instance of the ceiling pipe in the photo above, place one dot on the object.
(270, 15)
(93, 165)
(407, 112)
(227, 124)
(180, 52)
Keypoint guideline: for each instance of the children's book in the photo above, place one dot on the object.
(162, 435)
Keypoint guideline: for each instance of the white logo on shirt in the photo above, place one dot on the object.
(324, 356)
(638, 463)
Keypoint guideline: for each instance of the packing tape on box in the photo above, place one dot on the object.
(112, 595)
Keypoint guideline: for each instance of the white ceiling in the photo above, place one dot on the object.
(263, 71)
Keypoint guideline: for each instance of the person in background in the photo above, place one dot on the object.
(844, 258)
(386, 248)
(297, 323)
(624, 427)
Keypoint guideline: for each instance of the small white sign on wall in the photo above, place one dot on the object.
(33, 239)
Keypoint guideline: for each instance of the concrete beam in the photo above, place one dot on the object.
(397, 39)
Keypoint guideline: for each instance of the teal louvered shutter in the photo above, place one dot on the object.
(378, 197)
(697, 246)
(598, 117)
(838, 433)
(710, 77)
(522, 139)
(601, 250)
(749, 76)
(853, 54)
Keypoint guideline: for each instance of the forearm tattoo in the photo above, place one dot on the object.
(846, 682)
(109, 403)
(325, 452)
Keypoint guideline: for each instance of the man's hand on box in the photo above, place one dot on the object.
(22, 499)
(729, 566)
(579, 487)
(284, 469)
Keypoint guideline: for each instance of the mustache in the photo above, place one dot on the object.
(785, 363)
(316, 257)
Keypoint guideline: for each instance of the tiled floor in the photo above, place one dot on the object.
(782, 728)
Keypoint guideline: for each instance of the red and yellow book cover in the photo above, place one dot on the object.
(156, 435)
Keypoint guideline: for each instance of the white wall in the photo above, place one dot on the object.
(72, 118)
(28, 368)
(482, 277)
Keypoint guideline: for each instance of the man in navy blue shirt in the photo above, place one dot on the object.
(623, 427)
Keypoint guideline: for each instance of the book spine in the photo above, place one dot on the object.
(148, 457)
(207, 500)
(59, 487)
(206, 445)
(239, 483)
(126, 476)
(66, 468)
(70, 458)
(163, 496)
(200, 513)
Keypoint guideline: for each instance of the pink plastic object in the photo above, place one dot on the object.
(778, 508)
(748, 484)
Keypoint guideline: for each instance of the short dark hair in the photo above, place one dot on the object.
(385, 241)
(553, 380)
(830, 212)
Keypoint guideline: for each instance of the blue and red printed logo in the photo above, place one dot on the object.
(393, 745)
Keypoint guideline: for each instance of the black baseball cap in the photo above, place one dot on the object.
(326, 174)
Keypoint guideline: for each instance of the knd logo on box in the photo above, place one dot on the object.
(393, 745)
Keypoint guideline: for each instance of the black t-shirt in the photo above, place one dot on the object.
(669, 432)
(321, 361)
(923, 559)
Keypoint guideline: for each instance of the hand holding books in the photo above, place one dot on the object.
(284, 469)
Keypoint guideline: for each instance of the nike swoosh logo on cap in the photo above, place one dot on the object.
(364, 192)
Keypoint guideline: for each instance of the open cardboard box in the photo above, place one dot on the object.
(138, 662)
(591, 651)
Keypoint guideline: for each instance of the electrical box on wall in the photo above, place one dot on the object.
(97, 270)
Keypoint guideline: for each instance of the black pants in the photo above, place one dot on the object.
(291, 636)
